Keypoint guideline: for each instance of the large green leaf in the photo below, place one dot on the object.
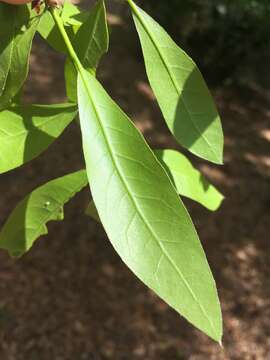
(188, 181)
(28, 221)
(26, 131)
(140, 209)
(90, 43)
(181, 92)
(15, 50)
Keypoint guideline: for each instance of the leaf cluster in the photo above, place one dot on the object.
(135, 189)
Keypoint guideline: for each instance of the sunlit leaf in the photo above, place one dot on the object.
(72, 18)
(140, 209)
(188, 181)
(180, 90)
(50, 33)
(72, 15)
(28, 220)
(90, 43)
(26, 131)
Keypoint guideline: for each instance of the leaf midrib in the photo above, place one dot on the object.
(92, 35)
(122, 178)
(174, 81)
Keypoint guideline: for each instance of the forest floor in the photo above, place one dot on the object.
(72, 298)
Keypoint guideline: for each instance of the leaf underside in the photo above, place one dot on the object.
(141, 212)
(180, 89)
(90, 43)
(136, 200)
(30, 130)
(49, 32)
(188, 181)
(28, 220)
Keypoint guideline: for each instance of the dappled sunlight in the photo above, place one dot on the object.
(217, 175)
(261, 163)
(115, 20)
(145, 89)
(265, 134)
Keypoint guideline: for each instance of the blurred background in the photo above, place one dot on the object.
(71, 297)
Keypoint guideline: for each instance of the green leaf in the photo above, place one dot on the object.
(12, 18)
(140, 209)
(15, 50)
(92, 38)
(90, 43)
(7, 21)
(181, 92)
(28, 220)
(72, 15)
(30, 130)
(188, 181)
(50, 33)
(48, 30)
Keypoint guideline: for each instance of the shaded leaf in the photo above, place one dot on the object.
(15, 51)
(30, 130)
(140, 209)
(28, 220)
(92, 39)
(7, 21)
(180, 90)
(188, 181)
(90, 43)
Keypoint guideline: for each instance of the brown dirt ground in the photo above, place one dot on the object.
(71, 297)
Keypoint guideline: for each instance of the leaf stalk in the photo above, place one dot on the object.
(59, 23)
